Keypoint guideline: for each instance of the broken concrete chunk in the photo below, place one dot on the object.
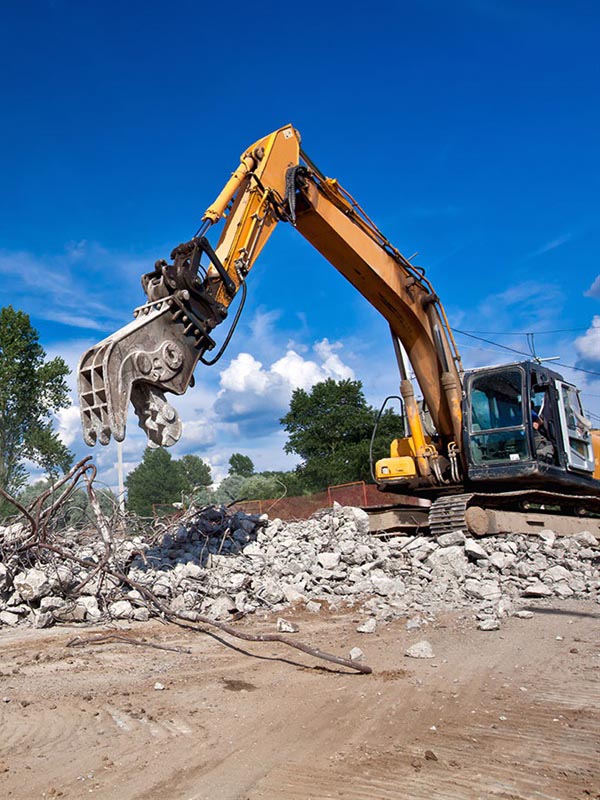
(291, 593)
(32, 584)
(90, 604)
(504, 608)
(43, 620)
(221, 608)
(449, 539)
(178, 604)
(270, 592)
(489, 624)
(420, 548)
(162, 587)
(383, 584)
(356, 654)
(421, 649)
(368, 626)
(51, 603)
(587, 539)
(502, 560)
(474, 550)
(556, 573)
(482, 589)
(577, 584)
(563, 589)
(285, 626)
(360, 518)
(450, 559)
(313, 607)
(548, 537)
(70, 612)
(121, 609)
(329, 560)
(536, 589)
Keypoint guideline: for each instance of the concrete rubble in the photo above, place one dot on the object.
(220, 564)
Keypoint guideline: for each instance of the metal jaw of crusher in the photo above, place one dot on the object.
(155, 353)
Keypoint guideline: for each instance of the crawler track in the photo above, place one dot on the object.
(482, 514)
(515, 512)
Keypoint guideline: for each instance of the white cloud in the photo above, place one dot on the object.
(297, 372)
(588, 345)
(245, 374)
(550, 245)
(198, 433)
(69, 424)
(529, 303)
(594, 290)
(72, 287)
(332, 363)
(248, 387)
(263, 326)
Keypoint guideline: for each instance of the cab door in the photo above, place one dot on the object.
(575, 428)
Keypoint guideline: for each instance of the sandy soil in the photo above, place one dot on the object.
(511, 714)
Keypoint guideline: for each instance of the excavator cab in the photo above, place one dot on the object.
(520, 420)
(525, 420)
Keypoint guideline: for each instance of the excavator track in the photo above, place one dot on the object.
(448, 514)
(529, 511)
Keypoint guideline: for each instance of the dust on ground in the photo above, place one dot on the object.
(512, 714)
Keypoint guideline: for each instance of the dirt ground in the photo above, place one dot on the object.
(511, 714)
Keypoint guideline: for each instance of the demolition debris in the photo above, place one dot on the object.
(218, 564)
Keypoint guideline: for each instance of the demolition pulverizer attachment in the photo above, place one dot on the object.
(157, 352)
(137, 363)
(154, 354)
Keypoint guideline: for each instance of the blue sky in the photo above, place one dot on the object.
(468, 130)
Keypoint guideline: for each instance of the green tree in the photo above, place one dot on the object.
(330, 428)
(241, 465)
(270, 485)
(157, 480)
(31, 390)
(262, 486)
(194, 473)
(230, 489)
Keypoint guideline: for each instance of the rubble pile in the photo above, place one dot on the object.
(220, 563)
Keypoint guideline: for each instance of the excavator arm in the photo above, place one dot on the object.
(187, 298)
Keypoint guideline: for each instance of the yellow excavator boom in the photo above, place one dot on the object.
(274, 182)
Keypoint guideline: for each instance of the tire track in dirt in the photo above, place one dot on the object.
(231, 727)
(539, 744)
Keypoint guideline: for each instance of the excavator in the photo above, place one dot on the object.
(486, 450)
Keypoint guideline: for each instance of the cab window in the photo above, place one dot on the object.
(497, 431)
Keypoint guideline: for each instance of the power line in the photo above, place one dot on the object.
(523, 353)
(578, 369)
(489, 341)
(528, 333)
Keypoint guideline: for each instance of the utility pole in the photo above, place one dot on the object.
(120, 476)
